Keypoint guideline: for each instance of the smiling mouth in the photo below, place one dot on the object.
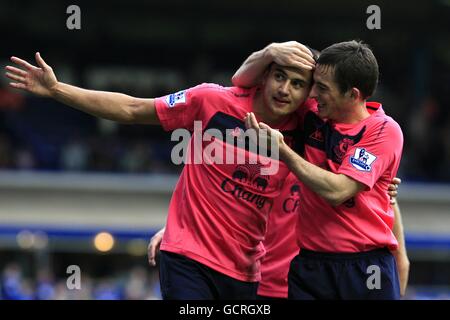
(281, 101)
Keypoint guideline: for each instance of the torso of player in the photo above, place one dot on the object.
(361, 152)
(219, 209)
(280, 241)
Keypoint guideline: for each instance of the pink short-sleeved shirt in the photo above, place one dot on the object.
(218, 212)
(368, 152)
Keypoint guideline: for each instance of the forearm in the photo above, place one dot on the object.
(251, 71)
(398, 229)
(400, 255)
(334, 188)
(108, 105)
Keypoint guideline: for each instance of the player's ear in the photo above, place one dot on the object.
(355, 94)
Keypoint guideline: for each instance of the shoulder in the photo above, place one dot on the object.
(384, 123)
(218, 90)
(310, 105)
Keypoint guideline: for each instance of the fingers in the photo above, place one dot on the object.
(247, 120)
(22, 63)
(250, 121)
(396, 180)
(295, 60)
(392, 187)
(301, 50)
(253, 122)
(393, 193)
(17, 71)
(17, 85)
(300, 64)
(153, 247)
(264, 126)
(305, 57)
(151, 251)
(15, 77)
(292, 54)
(41, 61)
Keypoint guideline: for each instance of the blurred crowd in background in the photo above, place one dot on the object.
(135, 283)
(41, 134)
(149, 50)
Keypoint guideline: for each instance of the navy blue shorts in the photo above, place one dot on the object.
(182, 278)
(334, 276)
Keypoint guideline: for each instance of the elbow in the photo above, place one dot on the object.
(235, 80)
(336, 198)
(334, 202)
(130, 112)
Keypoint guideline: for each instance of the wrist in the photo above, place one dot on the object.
(54, 89)
(269, 53)
(283, 150)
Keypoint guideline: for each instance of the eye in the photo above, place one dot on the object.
(321, 88)
(279, 76)
(297, 84)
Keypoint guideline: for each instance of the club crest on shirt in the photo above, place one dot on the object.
(174, 98)
(362, 159)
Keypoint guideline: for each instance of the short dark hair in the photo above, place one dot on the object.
(315, 53)
(354, 66)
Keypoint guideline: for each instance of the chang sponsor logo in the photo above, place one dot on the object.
(292, 203)
(249, 175)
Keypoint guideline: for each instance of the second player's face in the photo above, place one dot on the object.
(331, 102)
(285, 89)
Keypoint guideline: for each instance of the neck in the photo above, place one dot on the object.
(354, 114)
(263, 113)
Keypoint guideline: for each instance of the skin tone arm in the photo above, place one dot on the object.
(334, 188)
(153, 246)
(114, 106)
(291, 53)
(401, 256)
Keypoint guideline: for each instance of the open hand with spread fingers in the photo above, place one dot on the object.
(37, 80)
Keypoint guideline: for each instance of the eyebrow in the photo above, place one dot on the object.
(299, 77)
(320, 83)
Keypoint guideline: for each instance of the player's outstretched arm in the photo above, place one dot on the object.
(291, 54)
(153, 246)
(114, 106)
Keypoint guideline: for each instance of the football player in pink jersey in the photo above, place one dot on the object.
(212, 244)
(352, 152)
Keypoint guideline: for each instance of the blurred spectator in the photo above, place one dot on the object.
(13, 285)
(136, 159)
(45, 287)
(24, 159)
(74, 155)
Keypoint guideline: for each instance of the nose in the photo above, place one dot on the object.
(284, 88)
(313, 92)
